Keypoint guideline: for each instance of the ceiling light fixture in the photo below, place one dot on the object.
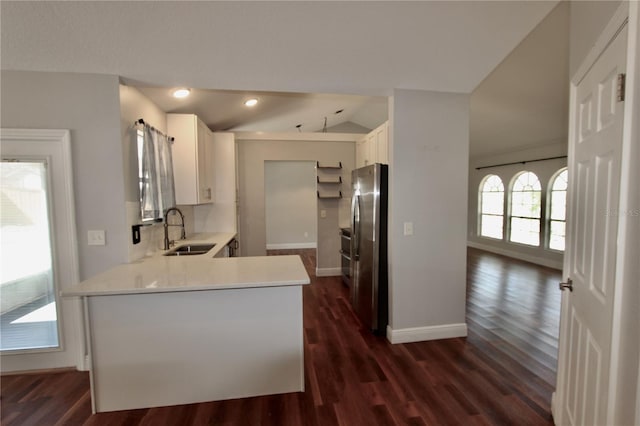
(181, 93)
(251, 102)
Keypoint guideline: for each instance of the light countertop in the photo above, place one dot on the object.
(158, 274)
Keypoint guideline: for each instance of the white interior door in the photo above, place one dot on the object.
(593, 196)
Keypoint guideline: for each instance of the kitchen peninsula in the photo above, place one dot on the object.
(171, 330)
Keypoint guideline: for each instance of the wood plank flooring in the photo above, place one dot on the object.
(503, 373)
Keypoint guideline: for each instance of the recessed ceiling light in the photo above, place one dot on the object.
(181, 93)
(251, 102)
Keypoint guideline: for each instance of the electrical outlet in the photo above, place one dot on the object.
(96, 238)
(323, 214)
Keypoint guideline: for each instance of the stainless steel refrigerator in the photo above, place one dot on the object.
(369, 290)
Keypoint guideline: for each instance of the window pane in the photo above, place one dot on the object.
(493, 183)
(28, 317)
(526, 204)
(519, 204)
(558, 205)
(527, 181)
(525, 231)
(557, 238)
(491, 207)
(493, 202)
(561, 182)
(491, 226)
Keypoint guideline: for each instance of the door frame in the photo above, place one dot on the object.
(624, 369)
(55, 146)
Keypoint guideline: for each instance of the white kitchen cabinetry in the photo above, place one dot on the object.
(193, 160)
(382, 143)
(374, 147)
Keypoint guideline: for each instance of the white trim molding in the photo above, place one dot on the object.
(520, 256)
(420, 334)
(287, 246)
(328, 272)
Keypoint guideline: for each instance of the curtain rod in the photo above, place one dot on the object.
(521, 162)
(141, 121)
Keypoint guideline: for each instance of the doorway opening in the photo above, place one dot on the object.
(290, 205)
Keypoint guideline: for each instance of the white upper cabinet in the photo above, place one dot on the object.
(192, 159)
(374, 147)
(382, 143)
(362, 152)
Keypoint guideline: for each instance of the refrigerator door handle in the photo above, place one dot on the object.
(355, 225)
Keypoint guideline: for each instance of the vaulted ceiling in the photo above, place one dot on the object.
(294, 48)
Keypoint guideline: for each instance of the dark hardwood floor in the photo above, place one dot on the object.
(503, 373)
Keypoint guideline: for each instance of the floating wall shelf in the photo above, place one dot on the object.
(337, 165)
(330, 195)
(329, 180)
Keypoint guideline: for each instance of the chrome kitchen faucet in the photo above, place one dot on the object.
(183, 235)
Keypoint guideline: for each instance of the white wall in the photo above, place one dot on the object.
(290, 204)
(252, 154)
(544, 170)
(587, 20)
(429, 155)
(88, 106)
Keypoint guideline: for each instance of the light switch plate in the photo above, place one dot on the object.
(408, 228)
(323, 214)
(96, 238)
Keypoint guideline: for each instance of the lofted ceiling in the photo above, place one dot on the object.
(524, 102)
(275, 112)
(349, 55)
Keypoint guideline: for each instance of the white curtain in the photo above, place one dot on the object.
(157, 192)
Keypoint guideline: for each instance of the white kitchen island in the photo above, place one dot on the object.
(188, 329)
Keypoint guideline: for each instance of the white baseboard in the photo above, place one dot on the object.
(328, 272)
(521, 256)
(420, 334)
(85, 364)
(554, 406)
(287, 246)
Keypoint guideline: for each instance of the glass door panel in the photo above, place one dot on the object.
(28, 310)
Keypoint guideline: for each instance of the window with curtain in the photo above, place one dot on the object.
(155, 173)
(491, 207)
(526, 199)
(558, 208)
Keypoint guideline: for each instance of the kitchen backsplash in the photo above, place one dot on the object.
(152, 236)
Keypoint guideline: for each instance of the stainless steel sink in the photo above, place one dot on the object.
(190, 250)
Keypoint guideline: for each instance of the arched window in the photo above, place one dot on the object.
(526, 197)
(491, 207)
(558, 208)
